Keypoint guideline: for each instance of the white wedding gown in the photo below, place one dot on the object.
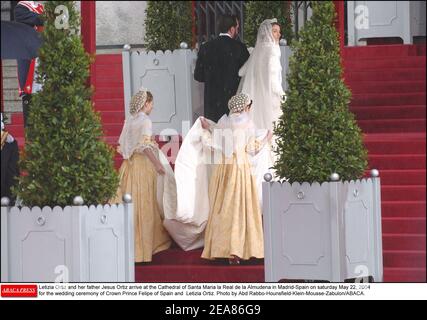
(262, 78)
(184, 195)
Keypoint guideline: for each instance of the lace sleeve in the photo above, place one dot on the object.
(147, 140)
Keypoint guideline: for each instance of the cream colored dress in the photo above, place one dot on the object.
(235, 221)
(139, 178)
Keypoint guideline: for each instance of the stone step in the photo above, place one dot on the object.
(10, 83)
(8, 62)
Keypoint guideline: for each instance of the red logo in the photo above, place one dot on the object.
(19, 290)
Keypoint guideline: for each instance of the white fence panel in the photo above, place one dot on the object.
(71, 244)
(322, 232)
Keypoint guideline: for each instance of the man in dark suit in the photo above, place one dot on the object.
(218, 64)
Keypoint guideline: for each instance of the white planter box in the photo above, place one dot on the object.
(71, 244)
(169, 75)
(178, 98)
(326, 232)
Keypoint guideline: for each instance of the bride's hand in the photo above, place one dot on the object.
(205, 123)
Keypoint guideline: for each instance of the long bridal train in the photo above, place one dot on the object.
(183, 194)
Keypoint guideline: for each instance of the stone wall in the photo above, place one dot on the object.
(119, 23)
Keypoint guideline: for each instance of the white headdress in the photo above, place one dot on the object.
(238, 102)
(138, 128)
(138, 101)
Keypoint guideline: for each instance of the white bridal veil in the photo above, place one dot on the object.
(262, 78)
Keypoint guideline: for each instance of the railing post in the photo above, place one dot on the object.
(378, 247)
(127, 77)
(5, 210)
(350, 24)
(78, 272)
(339, 8)
(267, 223)
(129, 239)
(337, 254)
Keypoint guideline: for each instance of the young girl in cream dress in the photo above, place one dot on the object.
(138, 177)
(234, 228)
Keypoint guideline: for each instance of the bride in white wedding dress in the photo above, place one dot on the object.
(184, 193)
(262, 76)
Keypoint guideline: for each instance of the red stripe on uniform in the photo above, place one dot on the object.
(37, 9)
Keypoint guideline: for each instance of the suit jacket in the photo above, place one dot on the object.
(218, 64)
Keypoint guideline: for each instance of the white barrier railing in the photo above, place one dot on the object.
(71, 244)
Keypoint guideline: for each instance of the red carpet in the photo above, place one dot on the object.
(389, 101)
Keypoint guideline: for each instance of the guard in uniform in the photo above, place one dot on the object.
(28, 12)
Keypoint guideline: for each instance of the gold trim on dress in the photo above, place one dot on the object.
(147, 142)
(4, 135)
(254, 146)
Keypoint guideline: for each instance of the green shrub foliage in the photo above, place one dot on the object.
(65, 154)
(167, 24)
(317, 134)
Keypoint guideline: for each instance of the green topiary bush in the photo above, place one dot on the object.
(257, 11)
(64, 155)
(317, 134)
(167, 24)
